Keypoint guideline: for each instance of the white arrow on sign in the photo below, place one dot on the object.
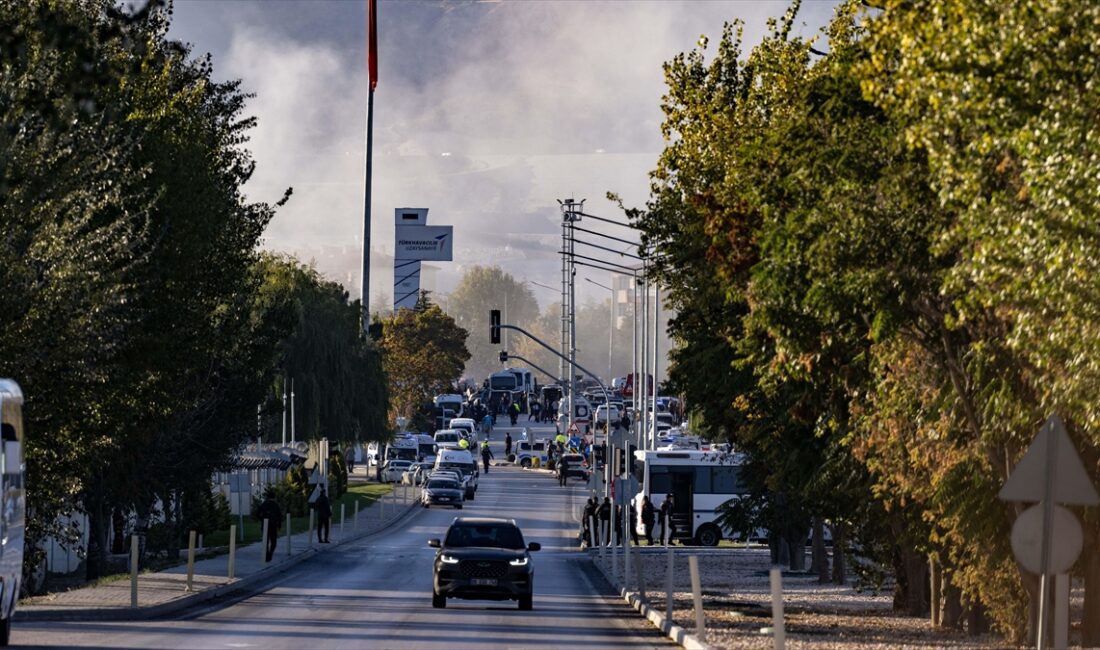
(1070, 483)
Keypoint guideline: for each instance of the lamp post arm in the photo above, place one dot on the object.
(557, 354)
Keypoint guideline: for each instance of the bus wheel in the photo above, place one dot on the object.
(708, 535)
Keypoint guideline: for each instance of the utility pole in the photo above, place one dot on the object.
(372, 74)
(570, 215)
(292, 438)
(284, 411)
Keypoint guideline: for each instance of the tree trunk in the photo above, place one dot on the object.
(1090, 620)
(952, 605)
(976, 620)
(784, 552)
(819, 562)
(118, 539)
(935, 592)
(916, 582)
(797, 544)
(98, 520)
(840, 574)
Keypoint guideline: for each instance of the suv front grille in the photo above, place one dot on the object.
(483, 569)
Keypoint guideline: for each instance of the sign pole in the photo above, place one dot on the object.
(1048, 523)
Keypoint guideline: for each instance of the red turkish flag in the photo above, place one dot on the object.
(372, 42)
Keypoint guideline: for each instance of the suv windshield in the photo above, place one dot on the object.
(489, 535)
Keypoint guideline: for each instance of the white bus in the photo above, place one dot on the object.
(699, 481)
(14, 502)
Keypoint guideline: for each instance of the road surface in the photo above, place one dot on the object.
(376, 593)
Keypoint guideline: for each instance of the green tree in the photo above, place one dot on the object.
(481, 289)
(424, 352)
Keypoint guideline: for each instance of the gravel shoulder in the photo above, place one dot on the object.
(737, 605)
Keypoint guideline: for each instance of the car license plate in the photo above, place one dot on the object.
(484, 582)
(444, 498)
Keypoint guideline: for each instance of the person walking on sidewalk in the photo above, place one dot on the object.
(668, 506)
(507, 444)
(270, 511)
(324, 516)
(589, 513)
(563, 471)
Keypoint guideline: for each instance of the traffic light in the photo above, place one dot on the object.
(494, 326)
(504, 356)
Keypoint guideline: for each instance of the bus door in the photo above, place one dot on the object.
(682, 490)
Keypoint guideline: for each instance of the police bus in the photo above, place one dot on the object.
(699, 481)
(14, 503)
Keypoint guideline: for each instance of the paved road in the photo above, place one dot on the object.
(377, 593)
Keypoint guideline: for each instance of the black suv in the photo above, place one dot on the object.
(483, 559)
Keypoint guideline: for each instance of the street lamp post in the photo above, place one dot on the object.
(610, 330)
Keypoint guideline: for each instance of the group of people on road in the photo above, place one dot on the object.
(650, 516)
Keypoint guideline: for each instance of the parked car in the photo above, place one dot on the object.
(526, 451)
(417, 473)
(483, 559)
(442, 491)
(393, 470)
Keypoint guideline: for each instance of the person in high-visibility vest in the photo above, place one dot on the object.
(463, 444)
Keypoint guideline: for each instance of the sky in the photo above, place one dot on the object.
(486, 113)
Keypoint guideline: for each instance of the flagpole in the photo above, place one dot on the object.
(372, 74)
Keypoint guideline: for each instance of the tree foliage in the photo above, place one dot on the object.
(904, 235)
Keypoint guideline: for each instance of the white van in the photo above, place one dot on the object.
(463, 462)
(447, 439)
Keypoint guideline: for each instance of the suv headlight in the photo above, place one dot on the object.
(519, 562)
(448, 559)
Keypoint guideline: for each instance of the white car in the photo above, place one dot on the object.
(465, 426)
(447, 439)
(601, 414)
(394, 470)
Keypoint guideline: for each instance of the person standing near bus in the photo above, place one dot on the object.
(649, 514)
(668, 507)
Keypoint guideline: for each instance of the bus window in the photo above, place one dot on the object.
(725, 480)
(702, 480)
(659, 481)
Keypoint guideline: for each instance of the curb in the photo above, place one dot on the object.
(671, 630)
(163, 609)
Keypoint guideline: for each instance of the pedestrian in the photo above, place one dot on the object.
(270, 511)
(563, 472)
(550, 452)
(648, 516)
(553, 409)
(487, 423)
(589, 513)
(507, 444)
(624, 421)
(513, 413)
(324, 516)
(605, 519)
(533, 412)
(668, 507)
(486, 454)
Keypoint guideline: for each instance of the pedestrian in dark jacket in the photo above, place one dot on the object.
(605, 519)
(563, 472)
(533, 412)
(507, 444)
(324, 516)
(486, 455)
(589, 513)
(649, 514)
(270, 511)
(634, 526)
(668, 507)
(618, 523)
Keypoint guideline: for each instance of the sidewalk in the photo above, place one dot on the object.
(166, 591)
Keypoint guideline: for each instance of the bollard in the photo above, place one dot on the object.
(626, 546)
(697, 598)
(668, 582)
(232, 549)
(614, 559)
(382, 509)
(133, 570)
(201, 544)
(190, 559)
(263, 540)
(641, 576)
(779, 632)
(355, 517)
(288, 551)
(341, 522)
(311, 528)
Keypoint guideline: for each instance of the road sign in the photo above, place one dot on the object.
(1066, 540)
(1070, 483)
(574, 430)
(424, 243)
(315, 477)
